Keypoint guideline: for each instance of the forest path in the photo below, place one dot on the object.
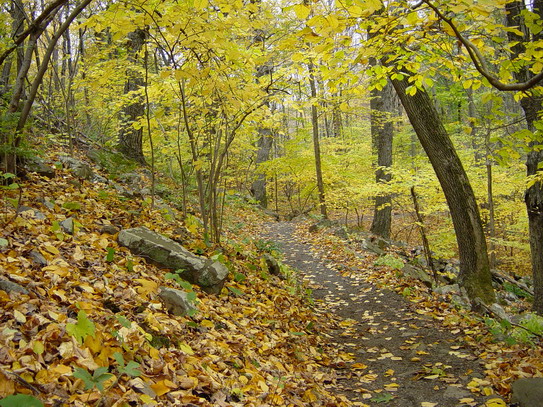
(400, 357)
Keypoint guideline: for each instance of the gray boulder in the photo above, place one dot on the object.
(208, 274)
(39, 167)
(175, 301)
(447, 289)
(79, 168)
(418, 274)
(68, 225)
(9, 287)
(273, 265)
(528, 392)
(37, 258)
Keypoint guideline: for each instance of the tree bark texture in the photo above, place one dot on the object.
(531, 105)
(382, 130)
(130, 141)
(258, 188)
(474, 274)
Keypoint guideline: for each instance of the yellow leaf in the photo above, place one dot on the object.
(358, 366)
(201, 4)
(427, 404)
(147, 287)
(207, 324)
(163, 387)
(148, 400)
(309, 396)
(302, 11)
(78, 254)
(488, 391)
(62, 370)
(186, 349)
(51, 249)
(38, 347)
(154, 353)
(19, 317)
(495, 403)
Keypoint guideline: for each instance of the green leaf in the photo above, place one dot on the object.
(4, 242)
(83, 328)
(110, 254)
(20, 400)
(119, 358)
(97, 379)
(131, 369)
(8, 175)
(236, 291)
(71, 206)
(382, 398)
(124, 321)
(239, 277)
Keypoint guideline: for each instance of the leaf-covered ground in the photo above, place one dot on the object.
(92, 331)
(420, 350)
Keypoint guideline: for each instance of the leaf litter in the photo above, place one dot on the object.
(91, 330)
(423, 351)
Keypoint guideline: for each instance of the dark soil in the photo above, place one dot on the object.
(401, 358)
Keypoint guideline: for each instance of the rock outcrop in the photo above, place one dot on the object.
(206, 273)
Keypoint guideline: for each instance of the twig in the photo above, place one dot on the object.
(21, 381)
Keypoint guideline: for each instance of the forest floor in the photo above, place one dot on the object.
(402, 355)
(86, 327)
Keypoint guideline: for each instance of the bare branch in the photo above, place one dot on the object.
(479, 61)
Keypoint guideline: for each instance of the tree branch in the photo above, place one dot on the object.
(47, 11)
(478, 60)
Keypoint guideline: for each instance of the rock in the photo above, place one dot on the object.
(37, 258)
(447, 289)
(208, 274)
(9, 287)
(370, 246)
(99, 178)
(132, 180)
(341, 233)
(321, 224)
(35, 213)
(40, 168)
(49, 204)
(67, 225)
(273, 265)
(528, 392)
(175, 301)
(500, 312)
(455, 393)
(122, 191)
(79, 168)
(418, 274)
(109, 229)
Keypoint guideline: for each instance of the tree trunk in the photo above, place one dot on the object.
(382, 130)
(474, 274)
(316, 142)
(130, 141)
(531, 105)
(258, 189)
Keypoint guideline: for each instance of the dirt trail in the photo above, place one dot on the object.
(410, 360)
